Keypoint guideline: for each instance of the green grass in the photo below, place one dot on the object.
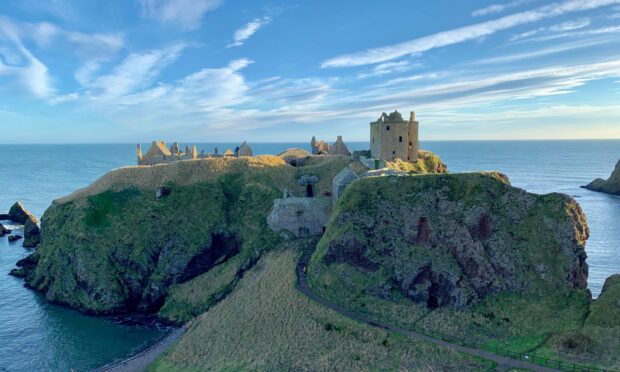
(265, 324)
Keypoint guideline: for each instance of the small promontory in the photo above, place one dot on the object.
(609, 186)
(450, 240)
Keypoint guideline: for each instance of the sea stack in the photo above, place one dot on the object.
(611, 186)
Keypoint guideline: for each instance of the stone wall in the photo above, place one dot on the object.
(300, 217)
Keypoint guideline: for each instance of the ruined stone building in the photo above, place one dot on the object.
(323, 148)
(158, 153)
(391, 137)
(243, 150)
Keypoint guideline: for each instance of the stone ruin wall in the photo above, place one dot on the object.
(300, 217)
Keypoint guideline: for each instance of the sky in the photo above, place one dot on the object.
(74, 71)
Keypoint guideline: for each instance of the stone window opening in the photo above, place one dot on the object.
(309, 191)
(400, 138)
(387, 128)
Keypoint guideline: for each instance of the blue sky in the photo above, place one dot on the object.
(223, 70)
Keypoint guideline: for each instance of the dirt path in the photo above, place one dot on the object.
(141, 361)
(503, 363)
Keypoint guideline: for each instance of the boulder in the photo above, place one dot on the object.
(4, 231)
(609, 186)
(32, 234)
(19, 214)
(14, 238)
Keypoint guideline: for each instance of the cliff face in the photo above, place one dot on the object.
(611, 186)
(450, 240)
(116, 247)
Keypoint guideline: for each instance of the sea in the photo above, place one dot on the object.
(38, 336)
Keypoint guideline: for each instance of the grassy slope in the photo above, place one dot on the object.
(265, 324)
(190, 299)
(508, 320)
(597, 342)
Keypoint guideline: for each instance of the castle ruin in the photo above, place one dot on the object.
(323, 148)
(392, 138)
(159, 153)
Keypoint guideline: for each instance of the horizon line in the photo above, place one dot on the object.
(296, 142)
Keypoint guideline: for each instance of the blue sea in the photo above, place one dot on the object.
(36, 335)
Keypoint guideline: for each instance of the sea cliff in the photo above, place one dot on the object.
(609, 186)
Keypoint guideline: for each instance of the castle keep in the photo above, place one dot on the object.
(391, 137)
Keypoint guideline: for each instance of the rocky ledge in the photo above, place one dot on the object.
(609, 186)
(450, 240)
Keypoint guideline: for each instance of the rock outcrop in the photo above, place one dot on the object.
(32, 234)
(19, 214)
(14, 238)
(451, 240)
(4, 231)
(609, 186)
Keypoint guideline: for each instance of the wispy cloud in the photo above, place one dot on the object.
(560, 27)
(249, 29)
(137, 71)
(389, 68)
(576, 34)
(33, 75)
(540, 52)
(187, 14)
(498, 8)
(459, 35)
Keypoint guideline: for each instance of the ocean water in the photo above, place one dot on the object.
(36, 335)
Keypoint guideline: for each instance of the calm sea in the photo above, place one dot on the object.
(35, 335)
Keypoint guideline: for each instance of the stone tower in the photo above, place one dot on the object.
(391, 137)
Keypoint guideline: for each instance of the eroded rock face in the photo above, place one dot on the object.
(451, 240)
(19, 214)
(610, 186)
(32, 234)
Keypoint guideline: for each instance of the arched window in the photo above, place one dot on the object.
(387, 128)
(400, 138)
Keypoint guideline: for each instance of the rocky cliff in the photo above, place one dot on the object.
(610, 186)
(450, 240)
(119, 245)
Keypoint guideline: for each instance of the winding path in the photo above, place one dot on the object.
(503, 363)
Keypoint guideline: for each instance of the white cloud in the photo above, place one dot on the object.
(573, 34)
(454, 36)
(249, 29)
(560, 27)
(137, 71)
(389, 68)
(33, 75)
(187, 14)
(541, 52)
(498, 8)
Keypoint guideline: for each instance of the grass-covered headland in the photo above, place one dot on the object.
(464, 256)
